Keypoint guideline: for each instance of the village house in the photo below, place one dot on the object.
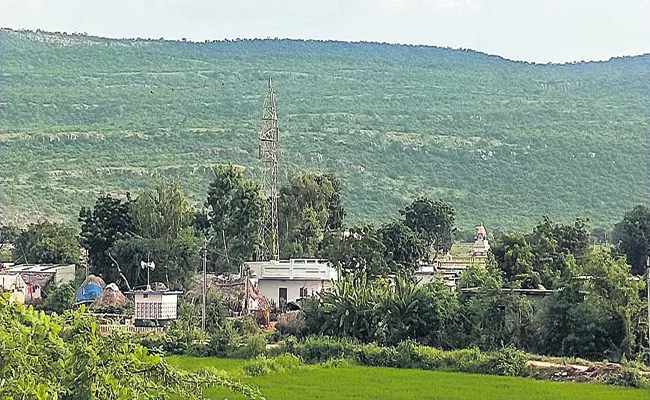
(34, 279)
(289, 280)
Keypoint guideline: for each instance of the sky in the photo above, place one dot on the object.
(530, 30)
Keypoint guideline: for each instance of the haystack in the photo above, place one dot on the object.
(94, 279)
(111, 297)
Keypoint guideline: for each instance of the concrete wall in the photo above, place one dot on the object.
(269, 288)
(155, 306)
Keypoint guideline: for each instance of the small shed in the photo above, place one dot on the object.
(157, 305)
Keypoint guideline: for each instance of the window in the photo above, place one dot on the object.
(145, 296)
(303, 292)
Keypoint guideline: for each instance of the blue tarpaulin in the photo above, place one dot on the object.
(88, 292)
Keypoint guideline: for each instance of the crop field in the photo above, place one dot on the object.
(353, 382)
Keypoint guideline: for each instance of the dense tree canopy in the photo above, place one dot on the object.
(235, 210)
(308, 207)
(434, 221)
(47, 243)
(631, 236)
(102, 226)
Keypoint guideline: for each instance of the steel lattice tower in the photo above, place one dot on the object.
(268, 154)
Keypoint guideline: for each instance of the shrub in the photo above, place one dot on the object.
(223, 342)
(262, 366)
(335, 363)
(246, 326)
(258, 367)
(507, 361)
(625, 377)
(320, 349)
(291, 324)
(255, 346)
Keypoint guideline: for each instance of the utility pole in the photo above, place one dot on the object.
(205, 284)
(647, 278)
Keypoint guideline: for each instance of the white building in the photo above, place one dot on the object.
(16, 287)
(155, 304)
(290, 280)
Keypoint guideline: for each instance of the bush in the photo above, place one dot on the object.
(246, 326)
(320, 349)
(408, 354)
(223, 342)
(508, 362)
(262, 366)
(292, 324)
(335, 363)
(625, 377)
(257, 367)
(60, 299)
(255, 346)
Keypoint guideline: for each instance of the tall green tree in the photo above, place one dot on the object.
(357, 251)
(594, 313)
(631, 236)
(433, 220)
(552, 243)
(107, 222)
(514, 256)
(47, 243)
(404, 247)
(490, 316)
(308, 206)
(235, 211)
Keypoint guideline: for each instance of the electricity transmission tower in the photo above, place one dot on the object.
(268, 154)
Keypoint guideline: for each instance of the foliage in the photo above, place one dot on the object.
(9, 233)
(514, 256)
(548, 128)
(631, 237)
(592, 318)
(552, 244)
(235, 210)
(60, 299)
(47, 243)
(262, 366)
(109, 221)
(376, 311)
(66, 357)
(434, 221)
(291, 324)
(404, 248)
(308, 206)
(358, 251)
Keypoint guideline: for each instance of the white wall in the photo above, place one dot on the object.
(269, 288)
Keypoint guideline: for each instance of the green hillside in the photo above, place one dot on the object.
(504, 141)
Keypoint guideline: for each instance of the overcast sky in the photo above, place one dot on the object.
(531, 30)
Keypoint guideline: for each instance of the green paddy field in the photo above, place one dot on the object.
(354, 382)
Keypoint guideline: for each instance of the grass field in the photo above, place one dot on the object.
(352, 382)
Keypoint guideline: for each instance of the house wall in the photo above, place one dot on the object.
(269, 288)
(155, 306)
(64, 274)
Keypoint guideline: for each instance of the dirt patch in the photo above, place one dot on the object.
(570, 372)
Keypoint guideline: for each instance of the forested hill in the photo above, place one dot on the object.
(505, 142)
